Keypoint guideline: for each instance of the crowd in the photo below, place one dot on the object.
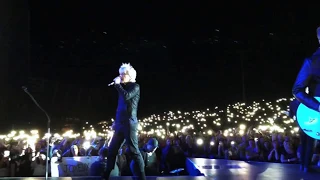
(167, 140)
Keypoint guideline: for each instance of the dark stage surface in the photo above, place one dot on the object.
(222, 170)
(117, 178)
(241, 170)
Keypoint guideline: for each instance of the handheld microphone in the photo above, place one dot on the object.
(111, 84)
(24, 88)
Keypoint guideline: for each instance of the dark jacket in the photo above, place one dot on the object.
(309, 76)
(152, 165)
(129, 96)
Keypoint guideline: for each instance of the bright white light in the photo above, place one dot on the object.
(241, 132)
(86, 145)
(242, 126)
(199, 141)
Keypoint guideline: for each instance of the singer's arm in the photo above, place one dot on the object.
(299, 87)
(130, 93)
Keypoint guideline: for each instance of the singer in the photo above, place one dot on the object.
(308, 76)
(126, 122)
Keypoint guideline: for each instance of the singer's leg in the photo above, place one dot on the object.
(131, 137)
(303, 144)
(308, 152)
(116, 141)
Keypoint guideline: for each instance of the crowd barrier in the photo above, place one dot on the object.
(80, 166)
(72, 166)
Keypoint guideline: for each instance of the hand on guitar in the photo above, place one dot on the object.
(309, 120)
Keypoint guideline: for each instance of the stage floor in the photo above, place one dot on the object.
(116, 178)
(218, 169)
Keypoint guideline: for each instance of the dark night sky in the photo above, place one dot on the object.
(187, 55)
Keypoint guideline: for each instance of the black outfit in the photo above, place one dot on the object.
(151, 163)
(289, 156)
(126, 128)
(98, 167)
(309, 76)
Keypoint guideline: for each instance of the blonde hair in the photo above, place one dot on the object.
(126, 68)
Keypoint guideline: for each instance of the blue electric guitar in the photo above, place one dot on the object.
(309, 120)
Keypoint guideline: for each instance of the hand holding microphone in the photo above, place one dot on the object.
(116, 80)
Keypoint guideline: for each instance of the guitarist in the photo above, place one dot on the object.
(308, 77)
